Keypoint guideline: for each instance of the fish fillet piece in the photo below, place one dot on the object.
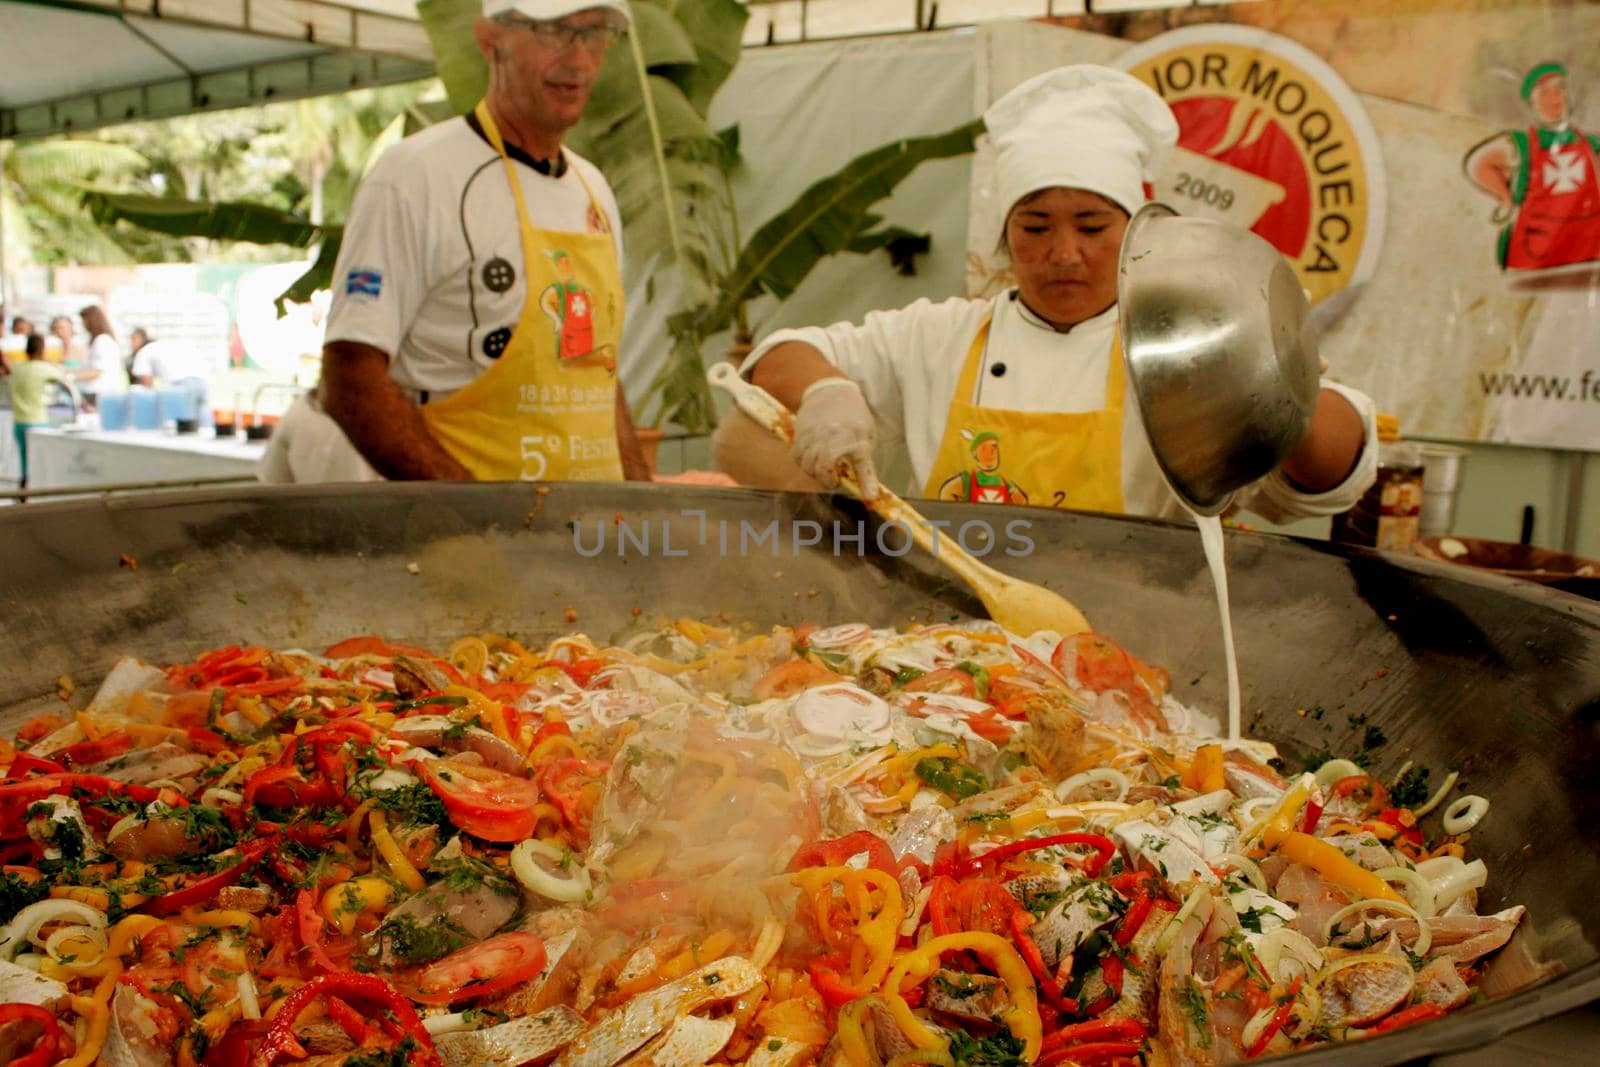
(614, 1037)
(690, 1042)
(511, 1044)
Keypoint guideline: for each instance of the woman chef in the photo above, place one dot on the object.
(1022, 398)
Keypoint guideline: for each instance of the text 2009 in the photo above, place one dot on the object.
(1200, 189)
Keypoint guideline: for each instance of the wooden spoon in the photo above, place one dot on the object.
(1021, 607)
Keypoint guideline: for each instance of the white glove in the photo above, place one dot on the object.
(834, 425)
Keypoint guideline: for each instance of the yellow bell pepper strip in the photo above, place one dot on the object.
(1335, 866)
(346, 902)
(1205, 774)
(1021, 1018)
(95, 1008)
(863, 954)
(390, 851)
(1278, 834)
(856, 1039)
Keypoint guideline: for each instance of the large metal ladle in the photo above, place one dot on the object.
(1021, 607)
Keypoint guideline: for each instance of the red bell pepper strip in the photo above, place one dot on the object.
(18, 795)
(950, 858)
(266, 687)
(1310, 817)
(581, 671)
(1029, 950)
(206, 888)
(1414, 1014)
(830, 983)
(1138, 912)
(1117, 1029)
(44, 1049)
(310, 924)
(1276, 1023)
(1104, 849)
(393, 1011)
(1404, 821)
(1091, 1054)
(834, 853)
(349, 1020)
(25, 763)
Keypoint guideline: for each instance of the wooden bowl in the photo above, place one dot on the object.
(1529, 562)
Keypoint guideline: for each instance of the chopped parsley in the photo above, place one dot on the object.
(1193, 1001)
(1250, 919)
(414, 805)
(999, 1049)
(1411, 790)
(414, 942)
(16, 893)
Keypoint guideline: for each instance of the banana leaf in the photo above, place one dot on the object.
(831, 216)
(461, 67)
(717, 29)
(226, 221)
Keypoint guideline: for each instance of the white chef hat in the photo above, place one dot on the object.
(1080, 127)
(554, 9)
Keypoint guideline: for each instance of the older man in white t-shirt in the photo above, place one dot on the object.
(431, 283)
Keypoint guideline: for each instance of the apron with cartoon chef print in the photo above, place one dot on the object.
(547, 408)
(1558, 219)
(1047, 459)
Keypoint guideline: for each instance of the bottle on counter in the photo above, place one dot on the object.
(1387, 517)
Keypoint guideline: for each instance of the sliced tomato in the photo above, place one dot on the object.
(573, 786)
(502, 962)
(1097, 662)
(947, 680)
(485, 803)
(787, 679)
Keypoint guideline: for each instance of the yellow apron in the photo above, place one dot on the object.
(1047, 459)
(547, 408)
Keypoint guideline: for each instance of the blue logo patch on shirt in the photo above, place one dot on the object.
(364, 282)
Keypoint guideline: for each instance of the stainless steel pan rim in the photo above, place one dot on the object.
(1497, 677)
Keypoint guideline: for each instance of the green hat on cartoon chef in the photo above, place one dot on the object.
(1539, 74)
(985, 448)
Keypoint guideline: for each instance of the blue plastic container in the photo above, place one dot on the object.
(176, 404)
(146, 407)
(113, 411)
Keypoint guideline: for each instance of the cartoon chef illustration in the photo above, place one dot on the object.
(570, 308)
(1544, 178)
(983, 483)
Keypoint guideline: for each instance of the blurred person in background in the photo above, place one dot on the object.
(173, 364)
(72, 351)
(30, 388)
(15, 341)
(106, 372)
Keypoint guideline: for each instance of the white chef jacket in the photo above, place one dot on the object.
(907, 362)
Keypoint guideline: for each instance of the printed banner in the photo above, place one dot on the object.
(1436, 162)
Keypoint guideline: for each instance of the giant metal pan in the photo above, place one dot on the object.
(1496, 678)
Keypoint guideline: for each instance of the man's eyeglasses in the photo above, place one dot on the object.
(562, 35)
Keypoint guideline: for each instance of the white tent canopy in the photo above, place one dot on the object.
(70, 65)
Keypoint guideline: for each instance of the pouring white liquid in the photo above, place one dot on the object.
(1211, 538)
